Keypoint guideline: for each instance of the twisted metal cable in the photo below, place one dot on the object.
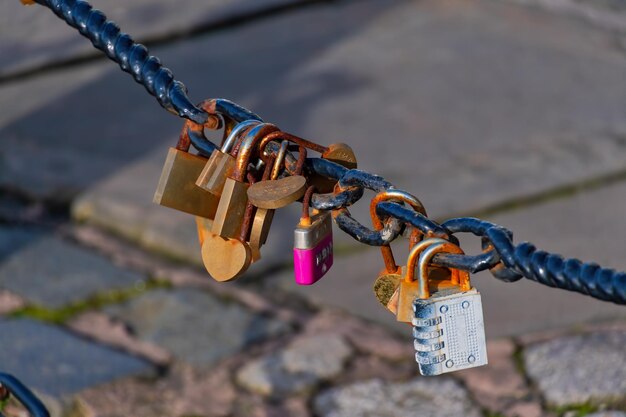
(131, 56)
(505, 260)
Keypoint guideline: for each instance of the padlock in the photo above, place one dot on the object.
(313, 244)
(339, 153)
(261, 220)
(389, 279)
(177, 185)
(225, 258)
(449, 332)
(264, 214)
(221, 162)
(203, 227)
(232, 205)
(275, 193)
(411, 289)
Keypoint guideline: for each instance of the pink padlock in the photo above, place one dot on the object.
(313, 245)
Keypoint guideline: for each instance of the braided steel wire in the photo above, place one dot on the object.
(131, 56)
(506, 261)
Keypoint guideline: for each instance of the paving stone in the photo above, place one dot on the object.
(607, 14)
(364, 367)
(98, 326)
(183, 392)
(9, 302)
(193, 325)
(366, 337)
(254, 406)
(13, 239)
(126, 208)
(53, 273)
(579, 369)
(420, 397)
(530, 129)
(56, 362)
(526, 409)
(555, 226)
(298, 368)
(498, 386)
(23, 48)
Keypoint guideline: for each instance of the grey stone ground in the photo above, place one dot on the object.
(472, 105)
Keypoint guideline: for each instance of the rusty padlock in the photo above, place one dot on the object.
(233, 201)
(389, 279)
(221, 162)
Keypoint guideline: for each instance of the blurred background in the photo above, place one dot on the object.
(512, 111)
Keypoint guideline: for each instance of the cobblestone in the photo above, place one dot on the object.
(498, 386)
(364, 336)
(143, 18)
(100, 327)
(9, 302)
(420, 397)
(251, 406)
(13, 239)
(579, 369)
(184, 392)
(56, 362)
(301, 366)
(53, 273)
(193, 325)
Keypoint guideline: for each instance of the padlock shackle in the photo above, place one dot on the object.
(280, 136)
(280, 158)
(228, 143)
(247, 147)
(193, 132)
(390, 263)
(425, 251)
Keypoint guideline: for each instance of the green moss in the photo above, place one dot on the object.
(556, 193)
(579, 410)
(95, 302)
(3, 403)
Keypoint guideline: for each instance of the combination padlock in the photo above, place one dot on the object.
(448, 326)
(313, 244)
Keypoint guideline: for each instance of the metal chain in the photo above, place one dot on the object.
(506, 261)
(23, 395)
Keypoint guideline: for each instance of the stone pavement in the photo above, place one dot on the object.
(513, 110)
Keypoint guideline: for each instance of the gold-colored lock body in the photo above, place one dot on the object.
(177, 185)
(232, 205)
(221, 163)
(388, 281)
(339, 153)
(411, 289)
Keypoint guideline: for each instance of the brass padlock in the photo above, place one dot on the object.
(339, 153)
(221, 162)
(232, 205)
(389, 279)
(224, 258)
(411, 289)
(277, 195)
(177, 185)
